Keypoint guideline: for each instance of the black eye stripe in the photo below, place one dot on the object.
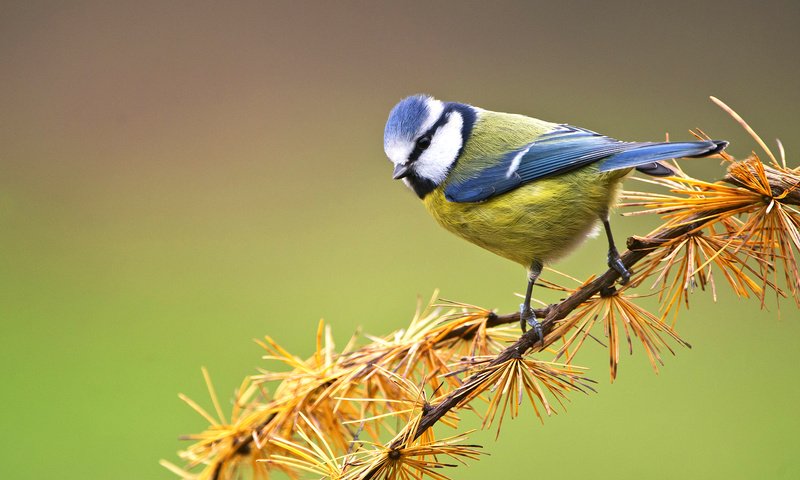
(424, 141)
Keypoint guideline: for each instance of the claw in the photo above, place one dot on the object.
(616, 264)
(527, 317)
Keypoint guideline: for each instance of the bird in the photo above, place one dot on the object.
(525, 189)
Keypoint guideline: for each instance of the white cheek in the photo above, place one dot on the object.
(435, 162)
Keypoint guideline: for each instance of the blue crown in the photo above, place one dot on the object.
(406, 118)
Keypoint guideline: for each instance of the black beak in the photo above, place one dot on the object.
(401, 171)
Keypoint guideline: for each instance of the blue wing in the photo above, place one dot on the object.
(567, 148)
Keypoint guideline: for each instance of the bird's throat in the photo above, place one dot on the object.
(421, 186)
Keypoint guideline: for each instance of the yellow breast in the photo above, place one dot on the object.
(541, 221)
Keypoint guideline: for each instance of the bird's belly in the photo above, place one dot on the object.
(541, 221)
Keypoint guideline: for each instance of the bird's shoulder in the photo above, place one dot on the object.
(493, 135)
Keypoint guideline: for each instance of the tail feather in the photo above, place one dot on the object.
(655, 169)
(644, 155)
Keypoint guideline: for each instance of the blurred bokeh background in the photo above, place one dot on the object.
(177, 178)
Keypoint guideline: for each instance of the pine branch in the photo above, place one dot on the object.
(639, 248)
(743, 230)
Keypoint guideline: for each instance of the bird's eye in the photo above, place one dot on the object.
(424, 142)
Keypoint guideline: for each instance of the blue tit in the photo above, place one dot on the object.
(526, 189)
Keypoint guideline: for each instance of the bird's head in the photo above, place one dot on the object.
(424, 138)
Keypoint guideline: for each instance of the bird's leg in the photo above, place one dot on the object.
(613, 255)
(526, 314)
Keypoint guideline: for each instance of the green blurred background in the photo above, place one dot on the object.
(177, 178)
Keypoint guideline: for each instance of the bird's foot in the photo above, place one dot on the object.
(608, 291)
(527, 317)
(615, 263)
